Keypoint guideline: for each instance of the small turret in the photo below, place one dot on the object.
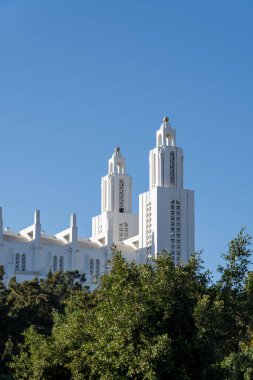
(166, 136)
(73, 229)
(37, 225)
(117, 163)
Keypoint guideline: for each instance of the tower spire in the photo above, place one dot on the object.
(166, 159)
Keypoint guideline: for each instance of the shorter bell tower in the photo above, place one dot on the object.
(116, 221)
(116, 186)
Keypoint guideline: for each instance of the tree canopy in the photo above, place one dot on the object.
(152, 321)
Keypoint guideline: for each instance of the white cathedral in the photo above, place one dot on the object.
(165, 222)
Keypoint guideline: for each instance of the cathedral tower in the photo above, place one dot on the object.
(166, 211)
(116, 221)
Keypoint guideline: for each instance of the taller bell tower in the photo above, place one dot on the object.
(167, 210)
(116, 221)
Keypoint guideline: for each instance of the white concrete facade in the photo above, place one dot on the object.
(165, 222)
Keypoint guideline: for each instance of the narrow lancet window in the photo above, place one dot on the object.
(61, 264)
(97, 272)
(175, 231)
(125, 230)
(55, 263)
(121, 195)
(172, 168)
(23, 262)
(148, 228)
(91, 268)
(121, 236)
(17, 262)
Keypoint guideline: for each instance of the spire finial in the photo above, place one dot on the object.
(166, 119)
(37, 217)
(73, 220)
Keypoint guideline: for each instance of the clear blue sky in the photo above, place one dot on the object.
(78, 78)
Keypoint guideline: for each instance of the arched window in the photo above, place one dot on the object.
(23, 262)
(55, 263)
(61, 264)
(121, 195)
(169, 140)
(17, 262)
(172, 168)
(119, 167)
(91, 267)
(97, 268)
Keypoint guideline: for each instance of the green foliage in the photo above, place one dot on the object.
(31, 303)
(153, 321)
(139, 324)
(233, 275)
(239, 365)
